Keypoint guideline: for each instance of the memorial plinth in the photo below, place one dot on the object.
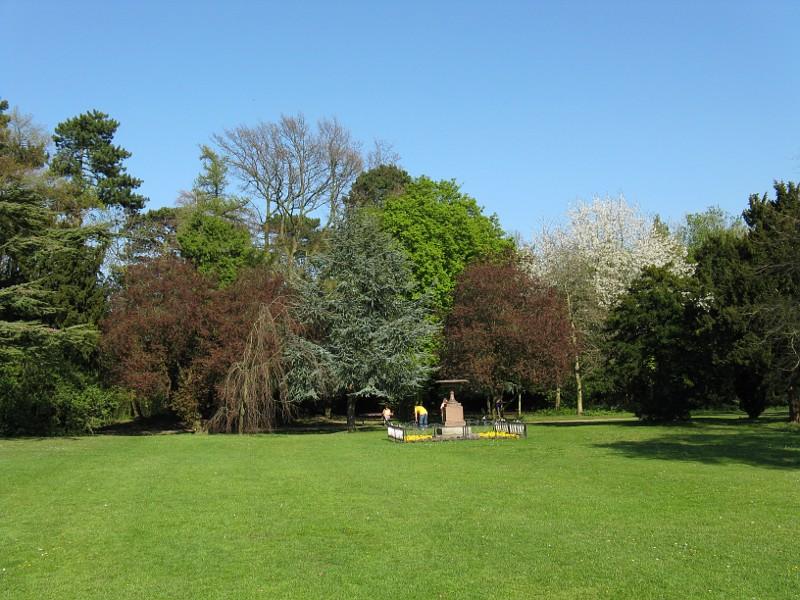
(454, 412)
(453, 423)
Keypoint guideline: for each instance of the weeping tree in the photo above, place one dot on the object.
(256, 389)
(278, 369)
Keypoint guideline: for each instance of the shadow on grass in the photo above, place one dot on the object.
(717, 442)
(165, 425)
(322, 425)
(158, 425)
(39, 438)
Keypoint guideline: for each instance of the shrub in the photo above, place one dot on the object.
(79, 410)
(34, 402)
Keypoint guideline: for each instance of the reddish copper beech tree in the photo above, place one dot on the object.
(172, 339)
(506, 328)
(154, 330)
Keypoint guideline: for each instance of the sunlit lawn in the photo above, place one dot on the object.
(707, 510)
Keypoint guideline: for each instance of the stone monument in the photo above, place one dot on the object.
(453, 423)
(454, 412)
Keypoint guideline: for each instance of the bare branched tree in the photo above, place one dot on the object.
(298, 172)
(382, 153)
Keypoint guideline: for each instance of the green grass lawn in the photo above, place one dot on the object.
(569, 414)
(705, 510)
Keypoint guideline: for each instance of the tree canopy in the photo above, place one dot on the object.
(86, 156)
(374, 333)
(326, 284)
(51, 293)
(652, 348)
(441, 230)
(373, 187)
(507, 329)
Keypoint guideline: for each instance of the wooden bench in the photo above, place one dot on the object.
(364, 417)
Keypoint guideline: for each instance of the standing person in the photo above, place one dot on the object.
(443, 408)
(420, 415)
(387, 415)
(498, 407)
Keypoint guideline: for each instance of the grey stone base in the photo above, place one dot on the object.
(453, 432)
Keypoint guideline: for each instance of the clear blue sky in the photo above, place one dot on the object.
(529, 105)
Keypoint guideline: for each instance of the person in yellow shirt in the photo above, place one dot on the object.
(420, 415)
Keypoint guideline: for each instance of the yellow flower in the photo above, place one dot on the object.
(497, 435)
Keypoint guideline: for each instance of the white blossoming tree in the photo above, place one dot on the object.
(594, 258)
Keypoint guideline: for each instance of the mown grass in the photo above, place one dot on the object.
(568, 414)
(703, 510)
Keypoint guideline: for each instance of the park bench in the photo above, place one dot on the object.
(364, 417)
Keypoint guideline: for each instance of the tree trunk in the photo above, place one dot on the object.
(794, 405)
(574, 336)
(579, 383)
(558, 397)
(351, 412)
(519, 405)
(267, 226)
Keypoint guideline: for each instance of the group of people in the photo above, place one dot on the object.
(420, 415)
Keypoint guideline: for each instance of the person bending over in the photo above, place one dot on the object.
(420, 415)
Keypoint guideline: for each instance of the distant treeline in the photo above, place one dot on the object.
(298, 274)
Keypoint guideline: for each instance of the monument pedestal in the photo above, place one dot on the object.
(453, 432)
(454, 423)
(454, 414)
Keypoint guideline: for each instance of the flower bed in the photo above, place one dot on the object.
(474, 430)
(418, 438)
(497, 435)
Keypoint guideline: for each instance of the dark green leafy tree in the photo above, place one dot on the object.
(373, 187)
(151, 234)
(651, 345)
(212, 228)
(773, 232)
(217, 246)
(307, 236)
(734, 363)
(441, 230)
(374, 335)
